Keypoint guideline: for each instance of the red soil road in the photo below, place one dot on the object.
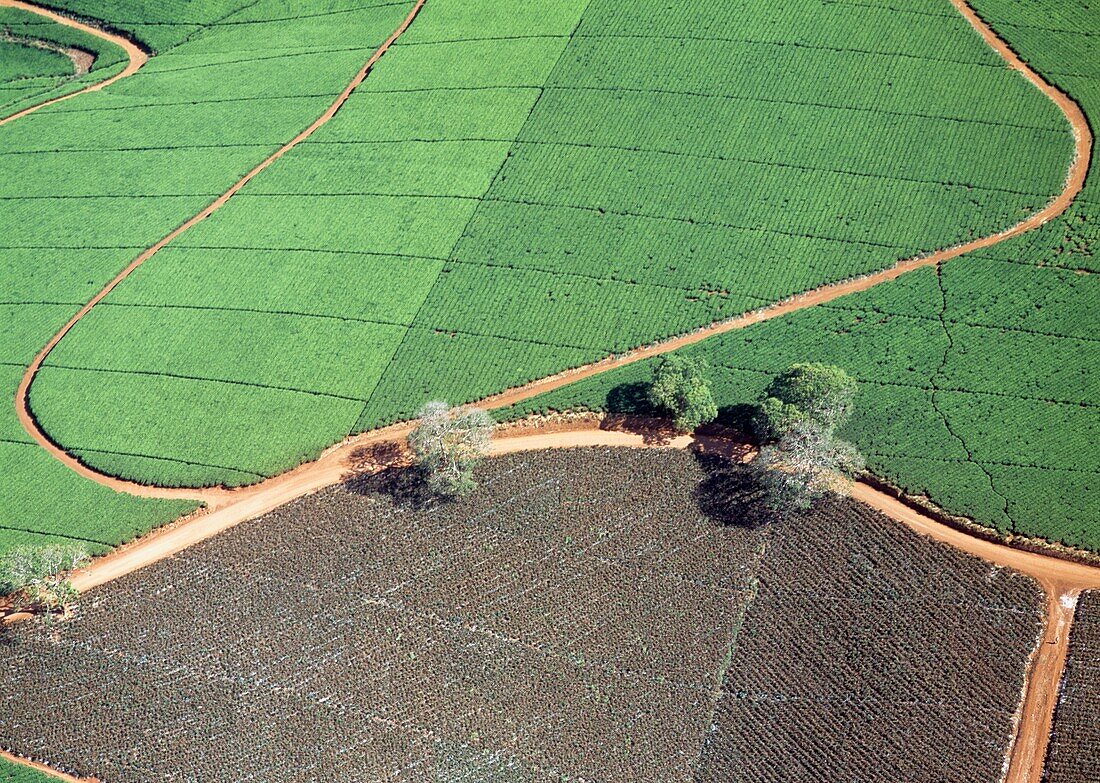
(137, 57)
(228, 507)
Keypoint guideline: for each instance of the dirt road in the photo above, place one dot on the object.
(229, 507)
(137, 57)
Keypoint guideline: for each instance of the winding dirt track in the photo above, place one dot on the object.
(1075, 179)
(1062, 580)
(136, 56)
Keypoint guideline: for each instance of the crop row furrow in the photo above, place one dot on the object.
(81, 109)
(876, 381)
(960, 322)
(201, 378)
(764, 229)
(227, 22)
(54, 534)
(103, 151)
(162, 458)
(999, 463)
(794, 45)
(726, 96)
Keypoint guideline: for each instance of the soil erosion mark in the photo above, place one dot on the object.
(137, 57)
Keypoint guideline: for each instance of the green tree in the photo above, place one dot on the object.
(819, 393)
(680, 387)
(803, 458)
(448, 443)
(37, 579)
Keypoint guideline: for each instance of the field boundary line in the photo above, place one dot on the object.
(22, 401)
(136, 55)
(220, 497)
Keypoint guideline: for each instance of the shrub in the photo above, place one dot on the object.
(448, 443)
(680, 386)
(37, 579)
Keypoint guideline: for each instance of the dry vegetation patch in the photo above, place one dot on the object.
(574, 619)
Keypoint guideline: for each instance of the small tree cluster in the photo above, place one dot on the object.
(680, 386)
(817, 393)
(448, 444)
(37, 579)
(800, 415)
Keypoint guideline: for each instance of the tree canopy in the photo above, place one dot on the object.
(680, 386)
(448, 443)
(803, 458)
(819, 393)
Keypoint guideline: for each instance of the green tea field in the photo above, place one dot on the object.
(509, 196)
(253, 250)
(979, 378)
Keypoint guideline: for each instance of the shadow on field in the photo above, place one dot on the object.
(729, 494)
(631, 398)
(629, 410)
(404, 485)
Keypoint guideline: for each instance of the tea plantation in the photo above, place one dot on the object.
(33, 64)
(979, 385)
(510, 195)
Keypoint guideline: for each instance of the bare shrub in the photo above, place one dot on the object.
(37, 578)
(448, 444)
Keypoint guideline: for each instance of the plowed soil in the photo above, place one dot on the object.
(593, 614)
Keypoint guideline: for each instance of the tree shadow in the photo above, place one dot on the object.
(405, 486)
(738, 417)
(630, 410)
(729, 493)
(374, 457)
(631, 399)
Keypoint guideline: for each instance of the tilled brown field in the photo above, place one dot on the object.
(1074, 752)
(592, 615)
(871, 655)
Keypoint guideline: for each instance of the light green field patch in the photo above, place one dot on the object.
(245, 347)
(522, 62)
(205, 423)
(449, 21)
(185, 172)
(492, 113)
(22, 327)
(24, 223)
(338, 283)
(63, 276)
(77, 508)
(444, 168)
(414, 226)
